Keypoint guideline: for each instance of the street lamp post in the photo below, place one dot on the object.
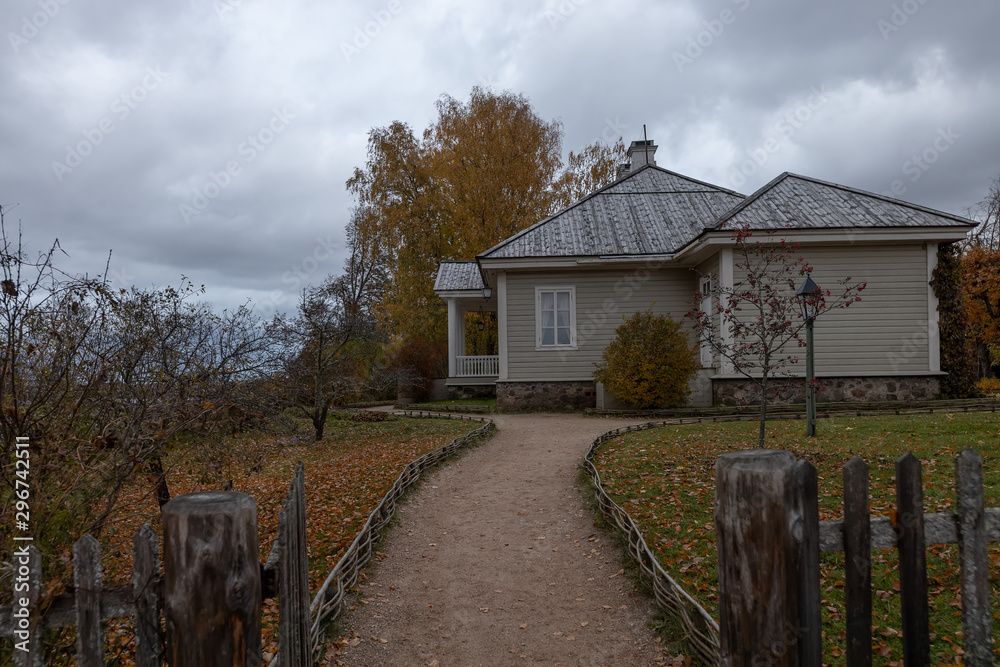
(808, 296)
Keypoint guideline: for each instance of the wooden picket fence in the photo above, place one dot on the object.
(769, 539)
(285, 575)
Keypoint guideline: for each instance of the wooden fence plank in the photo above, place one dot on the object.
(858, 563)
(33, 656)
(87, 582)
(293, 588)
(976, 619)
(912, 561)
(810, 629)
(146, 593)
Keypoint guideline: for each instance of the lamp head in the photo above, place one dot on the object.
(809, 296)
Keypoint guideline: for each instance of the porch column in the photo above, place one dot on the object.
(726, 283)
(502, 323)
(452, 337)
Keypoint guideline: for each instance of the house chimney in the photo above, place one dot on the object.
(641, 153)
(623, 170)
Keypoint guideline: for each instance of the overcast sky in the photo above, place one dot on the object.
(212, 138)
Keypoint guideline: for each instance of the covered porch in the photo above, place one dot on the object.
(473, 346)
(464, 363)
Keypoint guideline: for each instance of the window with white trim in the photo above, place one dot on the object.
(705, 289)
(555, 317)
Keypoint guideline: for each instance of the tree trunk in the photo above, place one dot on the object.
(319, 421)
(162, 490)
(763, 409)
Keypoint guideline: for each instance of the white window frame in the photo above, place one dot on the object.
(572, 318)
(705, 289)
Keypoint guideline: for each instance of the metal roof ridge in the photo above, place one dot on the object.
(485, 253)
(876, 195)
(836, 186)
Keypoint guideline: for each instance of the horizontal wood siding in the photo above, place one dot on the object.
(603, 296)
(886, 332)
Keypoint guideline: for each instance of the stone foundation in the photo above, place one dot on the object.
(784, 391)
(457, 392)
(546, 396)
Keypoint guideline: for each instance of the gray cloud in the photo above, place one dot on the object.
(892, 77)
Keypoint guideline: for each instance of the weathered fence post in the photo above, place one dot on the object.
(912, 549)
(977, 623)
(293, 584)
(858, 563)
(805, 532)
(87, 580)
(211, 589)
(755, 503)
(146, 592)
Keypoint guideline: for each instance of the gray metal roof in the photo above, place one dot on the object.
(458, 276)
(648, 212)
(797, 202)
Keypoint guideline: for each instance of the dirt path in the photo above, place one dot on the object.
(496, 561)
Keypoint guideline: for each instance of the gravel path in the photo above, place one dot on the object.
(496, 561)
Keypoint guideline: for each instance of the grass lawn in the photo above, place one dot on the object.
(346, 474)
(665, 479)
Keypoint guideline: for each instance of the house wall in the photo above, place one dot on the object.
(883, 338)
(886, 333)
(603, 296)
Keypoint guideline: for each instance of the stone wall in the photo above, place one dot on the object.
(551, 396)
(832, 390)
(457, 392)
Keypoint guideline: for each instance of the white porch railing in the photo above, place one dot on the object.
(481, 366)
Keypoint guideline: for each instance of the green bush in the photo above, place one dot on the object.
(649, 363)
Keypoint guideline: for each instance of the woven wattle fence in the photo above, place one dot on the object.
(329, 600)
(701, 629)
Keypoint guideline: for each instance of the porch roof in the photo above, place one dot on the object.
(458, 276)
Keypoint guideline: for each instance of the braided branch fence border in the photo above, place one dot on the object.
(702, 630)
(329, 600)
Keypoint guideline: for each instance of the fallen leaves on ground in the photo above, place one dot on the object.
(346, 475)
(665, 478)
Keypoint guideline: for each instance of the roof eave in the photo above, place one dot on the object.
(847, 235)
